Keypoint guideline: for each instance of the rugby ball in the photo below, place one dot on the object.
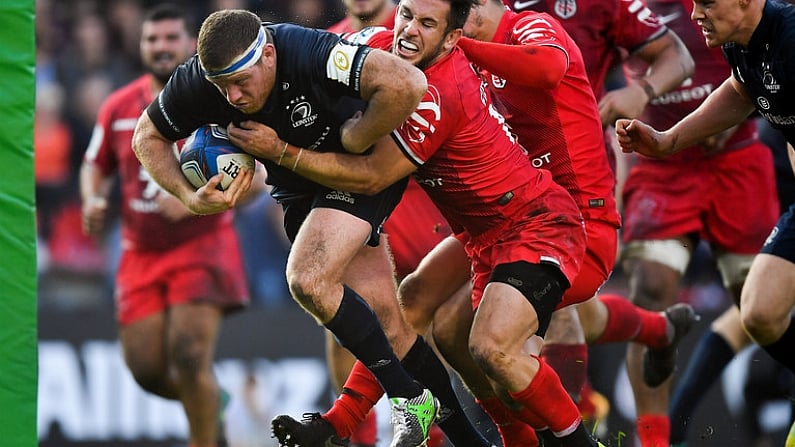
(208, 151)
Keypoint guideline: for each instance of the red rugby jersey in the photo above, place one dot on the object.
(110, 149)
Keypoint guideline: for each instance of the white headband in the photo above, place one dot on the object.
(249, 57)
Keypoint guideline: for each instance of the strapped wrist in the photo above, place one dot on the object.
(650, 93)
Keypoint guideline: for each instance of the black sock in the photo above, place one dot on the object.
(578, 438)
(547, 439)
(781, 349)
(422, 363)
(706, 364)
(357, 329)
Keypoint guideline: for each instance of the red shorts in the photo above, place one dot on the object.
(728, 199)
(207, 268)
(547, 228)
(414, 228)
(600, 257)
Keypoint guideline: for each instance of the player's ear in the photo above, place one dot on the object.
(452, 38)
(268, 54)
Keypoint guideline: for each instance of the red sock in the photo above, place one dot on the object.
(653, 329)
(623, 322)
(530, 418)
(360, 394)
(546, 397)
(586, 406)
(628, 322)
(571, 364)
(436, 437)
(513, 431)
(653, 430)
(366, 432)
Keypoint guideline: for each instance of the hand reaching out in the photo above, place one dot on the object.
(637, 136)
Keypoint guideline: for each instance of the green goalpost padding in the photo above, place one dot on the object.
(18, 353)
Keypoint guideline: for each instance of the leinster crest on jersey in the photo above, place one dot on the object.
(301, 113)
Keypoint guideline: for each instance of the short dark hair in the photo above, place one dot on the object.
(459, 12)
(224, 35)
(169, 11)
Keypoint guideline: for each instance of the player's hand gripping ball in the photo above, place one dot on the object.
(208, 151)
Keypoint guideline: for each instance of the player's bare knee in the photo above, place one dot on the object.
(412, 304)
(655, 268)
(759, 325)
(651, 291)
(304, 289)
(409, 291)
(416, 318)
(489, 357)
(152, 380)
(189, 355)
(541, 284)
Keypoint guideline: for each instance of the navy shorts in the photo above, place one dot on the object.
(374, 209)
(781, 241)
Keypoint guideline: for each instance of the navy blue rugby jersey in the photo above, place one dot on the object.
(316, 90)
(766, 68)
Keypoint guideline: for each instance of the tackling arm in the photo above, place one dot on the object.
(392, 88)
(364, 174)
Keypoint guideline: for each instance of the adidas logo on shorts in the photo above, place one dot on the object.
(341, 196)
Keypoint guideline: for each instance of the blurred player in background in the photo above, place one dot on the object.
(179, 273)
(360, 14)
(607, 32)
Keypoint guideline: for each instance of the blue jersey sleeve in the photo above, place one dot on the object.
(187, 102)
